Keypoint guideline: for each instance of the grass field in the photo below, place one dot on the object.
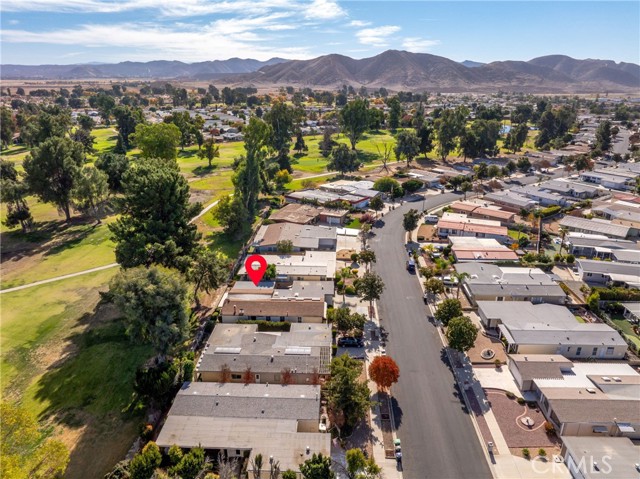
(627, 328)
(58, 357)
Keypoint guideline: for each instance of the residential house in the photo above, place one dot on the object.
(310, 266)
(598, 246)
(595, 226)
(243, 420)
(486, 250)
(511, 201)
(430, 179)
(489, 282)
(539, 195)
(322, 197)
(484, 212)
(528, 328)
(319, 290)
(452, 224)
(610, 178)
(299, 356)
(594, 457)
(572, 189)
(304, 214)
(292, 310)
(632, 311)
(609, 273)
(302, 237)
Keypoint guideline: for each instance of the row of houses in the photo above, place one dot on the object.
(358, 194)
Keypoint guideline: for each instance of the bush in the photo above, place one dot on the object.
(526, 453)
(521, 401)
(618, 294)
(548, 427)
(188, 367)
(157, 383)
(355, 257)
(510, 395)
(497, 363)
(557, 258)
(550, 211)
(175, 454)
(334, 350)
(542, 452)
(570, 259)
(412, 185)
(267, 326)
(350, 291)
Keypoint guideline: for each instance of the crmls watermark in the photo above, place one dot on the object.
(590, 464)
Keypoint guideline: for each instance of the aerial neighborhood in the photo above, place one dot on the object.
(394, 266)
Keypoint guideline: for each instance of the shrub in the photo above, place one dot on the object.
(570, 259)
(266, 326)
(542, 452)
(557, 258)
(289, 474)
(355, 257)
(550, 211)
(521, 401)
(188, 367)
(548, 427)
(146, 431)
(510, 395)
(526, 453)
(412, 185)
(497, 363)
(175, 454)
(355, 271)
(350, 291)
(334, 350)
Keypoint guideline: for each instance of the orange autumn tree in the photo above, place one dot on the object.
(384, 372)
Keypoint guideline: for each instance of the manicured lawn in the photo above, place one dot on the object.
(14, 153)
(106, 138)
(355, 224)
(627, 328)
(515, 234)
(55, 252)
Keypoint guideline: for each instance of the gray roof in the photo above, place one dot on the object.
(608, 267)
(517, 290)
(592, 411)
(247, 401)
(508, 197)
(568, 186)
(582, 335)
(620, 452)
(596, 225)
(306, 289)
(240, 346)
(538, 192)
(627, 256)
(540, 366)
(578, 239)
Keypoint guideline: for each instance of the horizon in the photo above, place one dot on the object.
(79, 32)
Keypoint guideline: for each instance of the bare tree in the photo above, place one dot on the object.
(385, 154)
(225, 372)
(227, 468)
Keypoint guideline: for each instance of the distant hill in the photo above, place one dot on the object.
(471, 64)
(393, 69)
(151, 70)
(421, 71)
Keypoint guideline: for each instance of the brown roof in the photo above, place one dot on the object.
(538, 366)
(589, 410)
(275, 307)
(295, 213)
(472, 227)
(481, 210)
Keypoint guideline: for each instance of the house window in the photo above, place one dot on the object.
(500, 298)
(299, 319)
(589, 274)
(268, 318)
(609, 351)
(595, 351)
(236, 376)
(281, 318)
(237, 452)
(578, 351)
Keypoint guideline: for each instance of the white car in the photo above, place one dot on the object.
(557, 241)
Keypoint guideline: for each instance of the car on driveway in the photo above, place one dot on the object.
(350, 342)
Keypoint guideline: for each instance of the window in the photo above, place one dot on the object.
(609, 351)
(268, 318)
(589, 274)
(236, 376)
(281, 318)
(595, 351)
(299, 319)
(578, 351)
(500, 298)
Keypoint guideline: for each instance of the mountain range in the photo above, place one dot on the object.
(392, 69)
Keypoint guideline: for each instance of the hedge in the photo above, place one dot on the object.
(268, 326)
(618, 294)
(550, 211)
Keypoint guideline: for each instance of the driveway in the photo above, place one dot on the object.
(438, 437)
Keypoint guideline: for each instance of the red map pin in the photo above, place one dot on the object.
(254, 273)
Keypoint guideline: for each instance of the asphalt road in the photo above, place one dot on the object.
(438, 437)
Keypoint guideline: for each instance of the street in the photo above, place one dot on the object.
(438, 437)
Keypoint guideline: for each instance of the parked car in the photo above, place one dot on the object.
(431, 219)
(449, 281)
(350, 342)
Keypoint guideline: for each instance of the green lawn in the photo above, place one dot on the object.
(515, 234)
(627, 328)
(14, 153)
(75, 248)
(355, 224)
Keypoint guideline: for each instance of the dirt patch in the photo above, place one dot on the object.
(345, 254)
(484, 342)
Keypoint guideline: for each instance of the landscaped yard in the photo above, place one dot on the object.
(627, 328)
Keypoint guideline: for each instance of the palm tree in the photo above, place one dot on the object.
(563, 232)
(459, 277)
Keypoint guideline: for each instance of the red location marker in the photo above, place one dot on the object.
(254, 273)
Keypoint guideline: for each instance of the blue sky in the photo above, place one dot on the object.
(81, 31)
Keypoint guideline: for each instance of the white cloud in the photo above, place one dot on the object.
(13, 22)
(377, 36)
(359, 23)
(417, 44)
(221, 39)
(324, 10)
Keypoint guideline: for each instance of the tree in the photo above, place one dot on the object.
(247, 178)
(52, 170)
(154, 226)
(384, 372)
(425, 137)
(582, 163)
(209, 151)
(434, 286)
(127, 119)
(449, 126)
(300, 146)
(86, 122)
(466, 187)
(359, 467)
(90, 192)
(153, 303)
(160, 140)
(115, 166)
(281, 120)
(13, 193)
(7, 127)
(395, 112)
(376, 204)
(511, 167)
(327, 143)
(523, 164)
(345, 321)
(348, 398)
(282, 178)
(145, 462)
(191, 464)
(232, 215)
(85, 138)
(603, 136)
(410, 220)
(407, 146)
(370, 288)
(343, 160)
(386, 184)
(27, 451)
(447, 310)
(385, 155)
(459, 279)
(354, 120)
(516, 137)
(208, 271)
(318, 467)
(461, 333)
(367, 257)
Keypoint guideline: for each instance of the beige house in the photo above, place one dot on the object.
(292, 310)
(237, 352)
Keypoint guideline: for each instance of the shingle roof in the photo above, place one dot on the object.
(275, 307)
(598, 226)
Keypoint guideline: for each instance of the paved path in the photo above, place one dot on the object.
(437, 433)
